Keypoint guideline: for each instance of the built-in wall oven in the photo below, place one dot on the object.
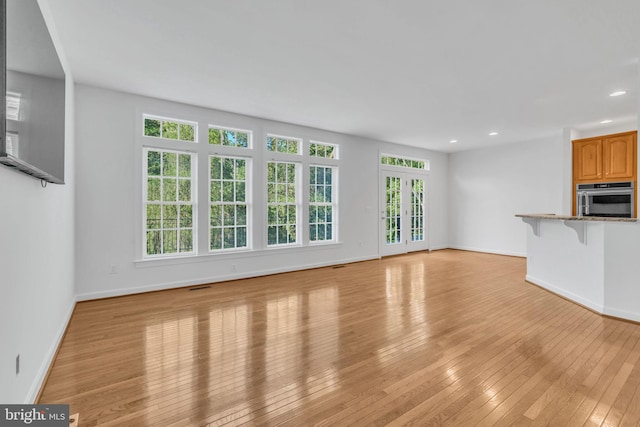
(608, 199)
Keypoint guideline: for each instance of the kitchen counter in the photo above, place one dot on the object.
(576, 218)
(593, 261)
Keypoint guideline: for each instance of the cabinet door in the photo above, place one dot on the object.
(587, 157)
(619, 156)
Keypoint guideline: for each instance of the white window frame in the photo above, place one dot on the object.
(170, 119)
(248, 202)
(193, 202)
(334, 203)
(290, 138)
(336, 150)
(299, 224)
(232, 129)
(427, 165)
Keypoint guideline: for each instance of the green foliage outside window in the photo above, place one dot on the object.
(228, 203)
(161, 128)
(169, 206)
(282, 210)
(283, 145)
(227, 137)
(326, 151)
(403, 162)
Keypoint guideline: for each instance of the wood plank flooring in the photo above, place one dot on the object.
(427, 339)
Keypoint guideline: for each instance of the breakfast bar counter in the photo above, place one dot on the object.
(593, 261)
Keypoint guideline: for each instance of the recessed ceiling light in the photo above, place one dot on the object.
(604, 122)
(493, 133)
(618, 93)
(453, 141)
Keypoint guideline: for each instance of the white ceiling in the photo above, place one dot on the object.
(415, 72)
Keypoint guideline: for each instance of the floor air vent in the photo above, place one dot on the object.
(199, 288)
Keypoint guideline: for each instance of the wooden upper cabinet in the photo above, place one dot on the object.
(587, 160)
(619, 152)
(605, 158)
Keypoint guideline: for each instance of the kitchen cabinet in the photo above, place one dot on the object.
(619, 157)
(587, 160)
(605, 158)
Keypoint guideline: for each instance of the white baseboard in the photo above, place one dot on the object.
(622, 314)
(599, 308)
(488, 251)
(569, 295)
(211, 279)
(41, 375)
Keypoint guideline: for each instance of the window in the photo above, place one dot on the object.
(229, 206)
(283, 144)
(13, 106)
(404, 162)
(319, 149)
(169, 202)
(229, 137)
(322, 206)
(170, 129)
(13, 143)
(282, 203)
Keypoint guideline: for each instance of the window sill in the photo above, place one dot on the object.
(189, 259)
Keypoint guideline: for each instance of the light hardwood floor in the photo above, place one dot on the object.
(441, 338)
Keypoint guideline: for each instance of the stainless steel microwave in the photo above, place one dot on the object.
(605, 199)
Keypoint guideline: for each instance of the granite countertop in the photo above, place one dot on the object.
(576, 218)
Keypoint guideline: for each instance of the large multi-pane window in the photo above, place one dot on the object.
(301, 189)
(282, 203)
(322, 203)
(228, 194)
(169, 202)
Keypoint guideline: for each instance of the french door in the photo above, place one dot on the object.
(403, 219)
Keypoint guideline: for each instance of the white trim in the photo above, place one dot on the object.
(215, 279)
(570, 295)
(487, 251)
(48, 360)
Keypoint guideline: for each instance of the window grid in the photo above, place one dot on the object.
(283, 144)
(320, 149)
(417, 210)
(282, 205)
(228, 203)
(169, 207)
(229, 137)
(394, 209)
(404, 162)
(321, 203)
(158, 127)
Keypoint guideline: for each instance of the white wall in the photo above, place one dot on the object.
(489, 186)
(36, 272)
(108, 199)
